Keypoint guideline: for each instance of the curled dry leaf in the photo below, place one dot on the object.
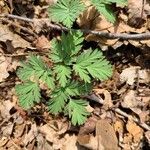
(107, 100)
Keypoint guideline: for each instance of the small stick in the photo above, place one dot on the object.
(123, 36)
(120, 112)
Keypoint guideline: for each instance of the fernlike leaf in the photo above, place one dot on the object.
(28, 94)
(119, 2)
(36, 68)
(66, 11)
(77, 111)
(92, 62)
(63, 73)
(105, 10)
(58, 101)
(60, 96)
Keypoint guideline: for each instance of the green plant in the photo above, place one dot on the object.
(69, 78)
(66, 11)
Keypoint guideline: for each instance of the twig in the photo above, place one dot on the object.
(123, 36)
(23, 54)
(120, 112)
(143, 125)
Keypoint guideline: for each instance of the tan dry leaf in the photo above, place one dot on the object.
(42, 43)
(17, 41)
(4, 63)
(49, 133)
(42, 144)
(7, 130)
(3, 141)
(134, 130)
(135, 11)
(107, 100)
(88, 141)
(70, 142)
(30, 136)
(5, 108)
(129, 75)
(105, 132)
(129, 100)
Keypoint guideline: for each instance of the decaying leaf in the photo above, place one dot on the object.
(30, 136)
(70, 142)
(17, 41)
(134, 73)
(105, 132)
(130, 100)
(88, 141)
(135, 131)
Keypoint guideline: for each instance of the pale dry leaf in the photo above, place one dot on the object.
(129, 100)
(31, 135)
(3, 141)
(17, 41)
(5, 108)
(4, 63)
(7, 130)
(134, 130)
(105, 132)
(42, 144)
(131, 74)
(70, 142)
(19, 130)
(89, 108)
(49, 133)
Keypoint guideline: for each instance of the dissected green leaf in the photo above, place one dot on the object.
(66, 11)
(36, 68)
(77, 111)
(105, 10)
(61, 95)
(92, 62)
(28, 93)
(70, 44)
(58, 101)
(63, 73)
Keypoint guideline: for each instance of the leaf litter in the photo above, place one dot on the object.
(127, 91)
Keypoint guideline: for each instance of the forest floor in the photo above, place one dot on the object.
(120, 118)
